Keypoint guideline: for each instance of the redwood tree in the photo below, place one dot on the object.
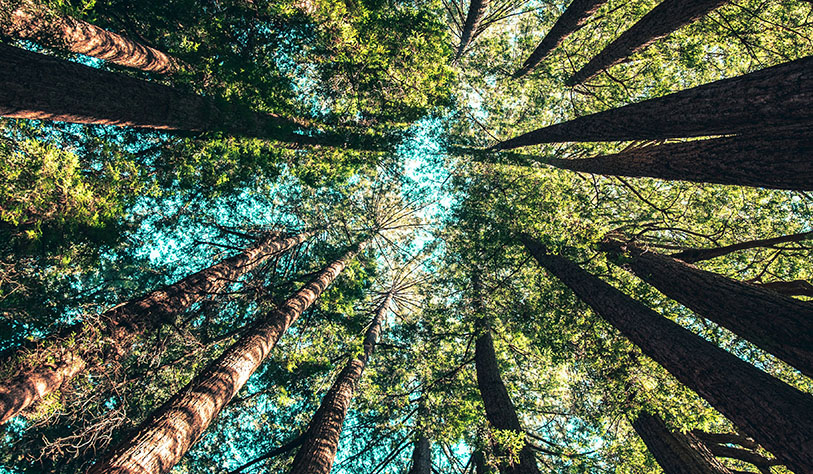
(477, 9)
(421, 456)
(694, 255)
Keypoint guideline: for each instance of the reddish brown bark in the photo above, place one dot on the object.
(32, 22)
(775, 414)
(571, 20)
(477, 9)
(768, 161)
(322, 438)
(165, 437)
(75, 347)
(774, 322)
(668, 16)
(698, 255)
(765, 100)
(421, 456)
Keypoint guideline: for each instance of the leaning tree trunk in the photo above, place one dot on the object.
(776, 97)
(697, 255)
(667, 17)
(322, 438)
(421, 456)
(769, 161)
(477, 10)
(571, 20)
(676, 452)
(163, 439)
(772, 412)
(35, 23)
(73, 349)
(774, 322)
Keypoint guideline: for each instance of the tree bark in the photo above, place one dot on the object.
(774, 322)
(165, 437)
(477, 9)
(772, 98)
(775, 414)
(668, 16)
(762, 463)
(32, 22)
(322, 438)
(768, 161)
(698, 255)
(573, 18)
(421, 456)
(74, 348)
(676, 452)
(790, 288)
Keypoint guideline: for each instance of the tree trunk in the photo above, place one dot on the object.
(75, 347)
(775, 414)
(322, 438)
(790, 288)
(477, 9)
(668, 16)
(698, 255)
(776, 323)
(421, 456)
(165, 437)
(776, 97)
(767, 161)
(676, 452)
(34, 23)
(571, 20)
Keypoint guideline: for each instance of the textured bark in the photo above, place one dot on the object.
(477, 10)
(698, 255)
(322, 438)
(668, 16)
(421, 457)
(776, 97)
(761, 462)
(571, 20)
(165, 437)
(775, 414)
(774, 322)
(725, 438)
(768, 161)
(73, 348)
(677, 453)
(34, 23)
(790, 288)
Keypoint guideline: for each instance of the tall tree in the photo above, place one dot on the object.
(774, 322)
(571, 20)
(770, 411)
(34, 22)
(676, 452)
(771, 98)
(165, 437)
(72, 349)
(667, 17)
(477, 9)
(421, 456)
(322, 438)
(777, 161)
(694, 255)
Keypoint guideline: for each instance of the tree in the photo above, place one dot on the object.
(694, 255)
(74, 348)
(776, 323)
(477, 9)
(421, 456)
(165, 437)
(667, 17)
(765, 408)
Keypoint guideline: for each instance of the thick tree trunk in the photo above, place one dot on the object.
(72, 349)
(768, 161)
(477, 10)
(322, 438)
(421, 456)
(571, 20)
(165, 437)
(776, 323)
(698, 255)
(668, 16)
(776, 97)
(32, 22)
(790, 288)
(676, 452)
(775, 414)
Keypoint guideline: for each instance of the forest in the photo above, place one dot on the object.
(406, 236)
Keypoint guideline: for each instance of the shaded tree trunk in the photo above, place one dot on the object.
(790, 288)
(767, 161)
(776, 323)
(668, 16)
(698, 255)
(676, 452)
(571, 20)
(34, 23)
(421, 456)
(776, 97)
(165, 437)
(322, 438)
(775, 414)
(74, 348)
(477, 9)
